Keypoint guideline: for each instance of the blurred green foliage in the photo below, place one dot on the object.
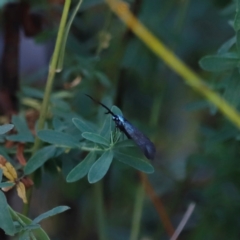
(197, 149)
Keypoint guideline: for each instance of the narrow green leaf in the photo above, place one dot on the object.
(116, 110)
(103, 79)
(219, 63)
(237, 5)
(95, 138)
(39, 158)
(21, 137)
(6, 128)
(66, 33)
(100, 167)
(32, 92)
(227, 45)
(50, 213)
(5, 154)
(6, 184)
(32, 227)
(238, 41)
(58, 125)
(24, 134)
(59, 103)
(39, 233)
(237, 21)
(232, 89)
(24, 236)
(6, 222)
(20, 124)
(138, 163)
(106, 129)
(58, 138)
(82, 168)
(82, 125)
(222, 135)
(125, 143)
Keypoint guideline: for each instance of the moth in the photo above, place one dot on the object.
(144, 143)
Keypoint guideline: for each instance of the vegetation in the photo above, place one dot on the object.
(60, 151)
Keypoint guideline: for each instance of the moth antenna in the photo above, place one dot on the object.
(108, 110)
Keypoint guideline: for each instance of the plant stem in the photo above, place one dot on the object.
(98, 192)
(138, 206)
(26, 206)
(189, 76)
(16, 217)
(51, 73)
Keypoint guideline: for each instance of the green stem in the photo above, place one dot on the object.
(51, 73)
(26, 206)
(98, 192)
(138, 206)
(16, 217)
(32, 236)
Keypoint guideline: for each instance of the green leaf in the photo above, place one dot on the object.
(6, 222)
(24, 236)
(6, 128)
(39, 158)
(6, 184)
(24, 134)
(237, 21)
(103, 79)
(32, 92)
(232, 89)
(125, 143)
(95, 138)
(5, 155)
(138, 163)
(32, 227)
(227, 45)
(60, 104)
(58, 125)
(82, 168)
(222, 135)
(237, 5)
(82, 125)
(238, 42)
(100, 167)
(116, 110)
(50, 213)
(106, 129)
(65, 36)
(219, 63)
(39, 233)
(58, 138)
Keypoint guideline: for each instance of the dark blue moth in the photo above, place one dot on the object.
(131, 132)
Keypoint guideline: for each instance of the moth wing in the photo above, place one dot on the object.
(140, 139)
